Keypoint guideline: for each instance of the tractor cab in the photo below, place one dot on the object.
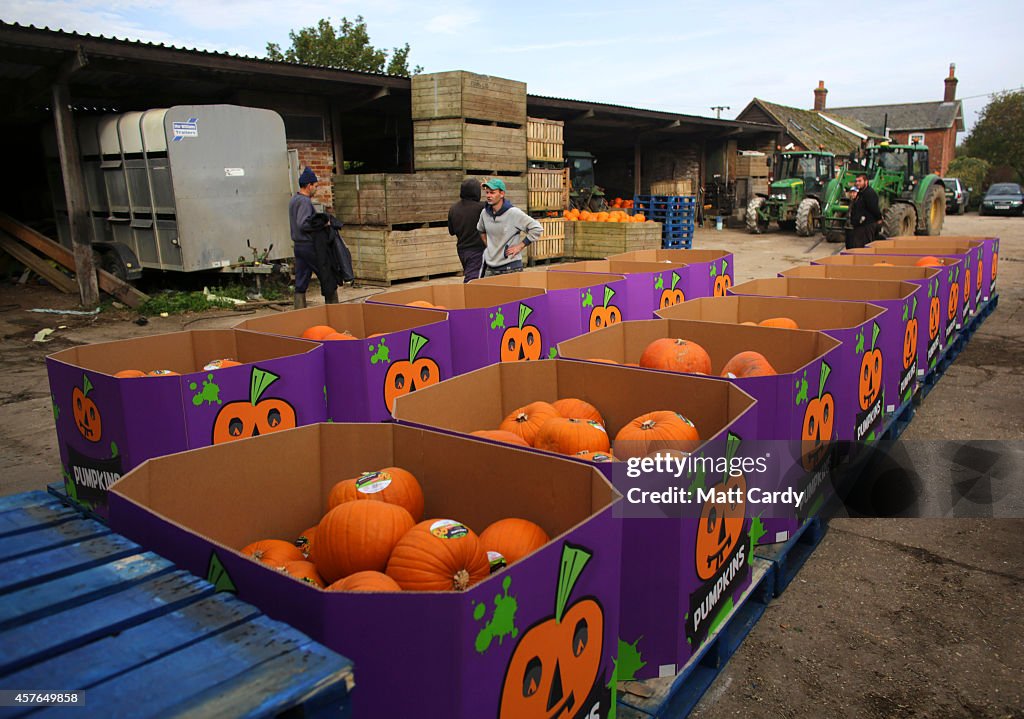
(910, 162)
(584, 194)
(794, 197)
(811, 171)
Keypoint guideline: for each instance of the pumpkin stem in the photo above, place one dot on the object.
(608, 294)
(522, 417)
(648, 424)
(675, 279)
(259, 381)
(460, 582)
(86, 385)
(825, 372)
(524, 313)
(875, 329)
(416, 343)
(574, 559)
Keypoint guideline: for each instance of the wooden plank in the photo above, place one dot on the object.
(38, 265)
(25, 499)
(25, 519)
(67, 531)
(24, 571)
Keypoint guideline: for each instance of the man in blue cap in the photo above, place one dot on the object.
(301, 216)
(505, 230)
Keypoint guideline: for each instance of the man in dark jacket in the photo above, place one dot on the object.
(462, 219)
(864, 214)
(310, 244)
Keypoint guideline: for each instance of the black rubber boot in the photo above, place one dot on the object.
(300, 301)
(331, 299)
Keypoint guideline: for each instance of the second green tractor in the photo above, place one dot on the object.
(795, 196)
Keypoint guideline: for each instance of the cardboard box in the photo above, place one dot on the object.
(398, 350)
(879, 353)
(487, 324)
(577, 302)
(458, 654)
(923, 323)
(713, 270)
(949, 303)
(985, 268)
(661, 585)
(106, 425)
(650, 286)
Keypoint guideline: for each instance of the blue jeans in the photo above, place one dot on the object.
(514, 266)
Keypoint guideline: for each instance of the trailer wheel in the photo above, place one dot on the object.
(808, 217)
(754, 222)
(900, 220)
(934, 210)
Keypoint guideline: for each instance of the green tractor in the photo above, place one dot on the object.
(584, 194)
(794, 199)
(912, 200)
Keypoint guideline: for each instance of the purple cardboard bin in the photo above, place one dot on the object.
(650, 286)
(881, 380)
(577, 301)
(661, 584)
(107, 425)
(922, 315)
(985, 265)
(713, 271)
(398, 350)
(942, 318)
(487, 324)
(552, 618)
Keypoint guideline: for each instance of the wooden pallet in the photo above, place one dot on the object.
(461, 94)
(597, 240)
(544, 140)
(393, 199)
(85, 609)
(548, 189)
(672, 187)
(382, 255)
(457, 144)
(551, 244)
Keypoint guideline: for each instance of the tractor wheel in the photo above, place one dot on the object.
(808, 217)
(899, 220)
(754, 222)
(934, 209)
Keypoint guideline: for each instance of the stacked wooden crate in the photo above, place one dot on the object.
(597, 240)
(548, 185)
(753, 165)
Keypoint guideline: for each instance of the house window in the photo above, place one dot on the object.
(916, 138)
(303, 127)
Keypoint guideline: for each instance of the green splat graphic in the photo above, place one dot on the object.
(218, 576)
(721, 616)
(859, 348)
(209, 394)
(713, 271)
(801, 390)
(628, 662)
(608, 294)
(574, 559)
(502, 622)
(69, 484)
(497, 320)
(757, 531)
(698, 482)
(381, 352)
(113, 450)
(588, 299)
(553, 353)
(875, 330)
(55, 407)
(826, 370)
(659, 284)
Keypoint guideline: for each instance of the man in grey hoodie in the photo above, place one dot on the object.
(506, 230)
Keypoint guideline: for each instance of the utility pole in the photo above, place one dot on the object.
(718, 110)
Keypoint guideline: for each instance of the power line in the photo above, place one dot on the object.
(990, 94)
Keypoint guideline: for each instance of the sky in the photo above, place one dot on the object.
(682, 56)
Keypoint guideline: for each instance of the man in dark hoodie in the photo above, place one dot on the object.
(506, 230)
(462, 219)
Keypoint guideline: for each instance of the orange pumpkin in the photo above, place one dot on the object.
(995, 265)
(303, 571)
(255, 416)
(883, 264)
(653, 431)
(978, 274)
(501, 435)
(673, 295)
(934, 318)
(954, 300)
(273, 551)
(355, 536)
(305, 540)
(870, 383)
(719, 527)
(601, 360)
(606, 314)
(783, 322)
(391, 484)
(967, 285)
(513, 538)
(527, 421)
(569, 436)
(163, 373)
(676, 355)
(522, 342)
(220, 364)
(722, 285)
(438, 555)
(420, 303)
(748, 364)
(408, 375)
(819, 419)
(596, 456)
(929, 261)
(577, 409)
(317, 332)
(87, 415)
(126, 373)
(910, 343)
(338, 336)
(368, 581)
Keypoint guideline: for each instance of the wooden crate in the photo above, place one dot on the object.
(454, 144)
(552, 243)
(672, 188)
(463, 94)
(597, 240)
(544, 140)
(394, 199)
(549, 189)
(751, 166)
(382, 255)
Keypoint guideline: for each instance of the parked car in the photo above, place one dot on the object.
(957, 196)
(1003, 198)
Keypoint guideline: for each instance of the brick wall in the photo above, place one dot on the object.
(678, 163)
(320, 157)
(941, 147)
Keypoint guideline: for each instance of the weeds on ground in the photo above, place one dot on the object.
(176, 303)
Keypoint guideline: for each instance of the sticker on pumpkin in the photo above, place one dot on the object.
(88, 420)
(408, 375)
(605, 315)
(869, 385)
(672, 296)
(448, 529)
(497, 561)
(555, 669)
(373, 482)
(522, 342)
(255, 416)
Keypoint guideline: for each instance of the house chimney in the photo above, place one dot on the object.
(951, 82)
(819, 96)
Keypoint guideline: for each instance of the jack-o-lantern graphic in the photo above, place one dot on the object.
(720, 526)
(522, 342)
(910, 343)
(967, 285)
(409, 375)
(255, 416)
(673, 295)
(934, 318)
(607, 314)
(978, 273)
(88, 419)
(819, 420)
(556, 664)
(722, 283)
(954, 300)
(995, 265)
(870, 377)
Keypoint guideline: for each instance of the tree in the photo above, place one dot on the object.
(972, 171)
(347, 48)
(998, 136)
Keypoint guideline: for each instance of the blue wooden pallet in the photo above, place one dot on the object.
(59, 490)
(676, 244)
(670, 233)
(83, 608)
(787, 558)
(672, 215)
(676, 696)
(675, 199)
(899, 421)
(953, 350)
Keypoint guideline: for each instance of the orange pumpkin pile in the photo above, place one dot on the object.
(680, 355)
(619, 203)
(611, 216)
(326, 332)
(424, 303)
(212, 365)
